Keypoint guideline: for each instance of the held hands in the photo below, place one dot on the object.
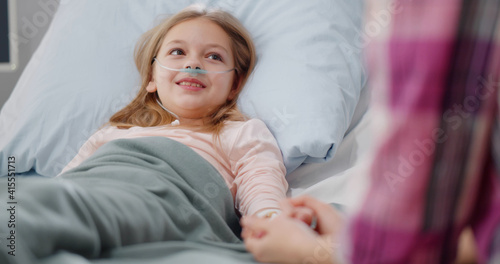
(288, 238)
(305, 208)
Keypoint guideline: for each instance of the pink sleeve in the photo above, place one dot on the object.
(258, 167)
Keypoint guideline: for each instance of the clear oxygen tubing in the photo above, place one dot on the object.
(176, 121)
(192, 72)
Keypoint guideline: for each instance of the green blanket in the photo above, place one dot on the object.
(144, 200)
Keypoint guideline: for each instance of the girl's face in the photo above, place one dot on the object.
(194, 43)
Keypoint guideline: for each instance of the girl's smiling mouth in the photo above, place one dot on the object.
(191, 84)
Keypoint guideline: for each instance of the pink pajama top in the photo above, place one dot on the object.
(247, 157)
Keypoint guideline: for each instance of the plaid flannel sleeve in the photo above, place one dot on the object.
(435, 74)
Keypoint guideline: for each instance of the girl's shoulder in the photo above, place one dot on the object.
(252, 129)
(252, 124)
(239, 137)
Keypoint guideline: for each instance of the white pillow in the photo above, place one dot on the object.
(305, 86)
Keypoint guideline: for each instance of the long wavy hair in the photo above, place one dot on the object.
(144, 111)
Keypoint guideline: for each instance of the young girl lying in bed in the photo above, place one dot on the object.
(193, 67)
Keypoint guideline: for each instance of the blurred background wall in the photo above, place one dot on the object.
(33, 20)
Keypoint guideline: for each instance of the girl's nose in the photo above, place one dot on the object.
(193, 63)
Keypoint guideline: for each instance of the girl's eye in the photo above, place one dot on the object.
(214, 56)
(176, 52)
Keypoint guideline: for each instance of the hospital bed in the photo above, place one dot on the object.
(308, 86)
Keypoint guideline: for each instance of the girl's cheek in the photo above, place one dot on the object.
(164, 76)
(223, 81)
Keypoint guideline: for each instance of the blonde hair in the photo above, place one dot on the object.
(144, 111)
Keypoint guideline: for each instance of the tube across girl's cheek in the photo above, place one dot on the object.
(162, 76)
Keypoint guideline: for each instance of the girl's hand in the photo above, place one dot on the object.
(285, 240)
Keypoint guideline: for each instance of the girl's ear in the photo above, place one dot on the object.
(235, 89)
(151, 88)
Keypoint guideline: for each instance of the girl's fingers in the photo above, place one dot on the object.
(254, 223)
(286, 207)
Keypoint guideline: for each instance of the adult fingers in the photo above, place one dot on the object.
(328, 219)
(303, 214)
(252, 244)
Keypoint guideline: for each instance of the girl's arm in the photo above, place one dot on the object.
(258, 167)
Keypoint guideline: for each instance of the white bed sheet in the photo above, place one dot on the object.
(342, 180)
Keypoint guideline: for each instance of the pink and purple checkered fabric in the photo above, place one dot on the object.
(435, 73)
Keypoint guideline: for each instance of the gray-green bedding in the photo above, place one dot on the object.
(144, 200)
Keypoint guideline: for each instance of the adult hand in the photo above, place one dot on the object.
(328, 220)
(285, 240)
